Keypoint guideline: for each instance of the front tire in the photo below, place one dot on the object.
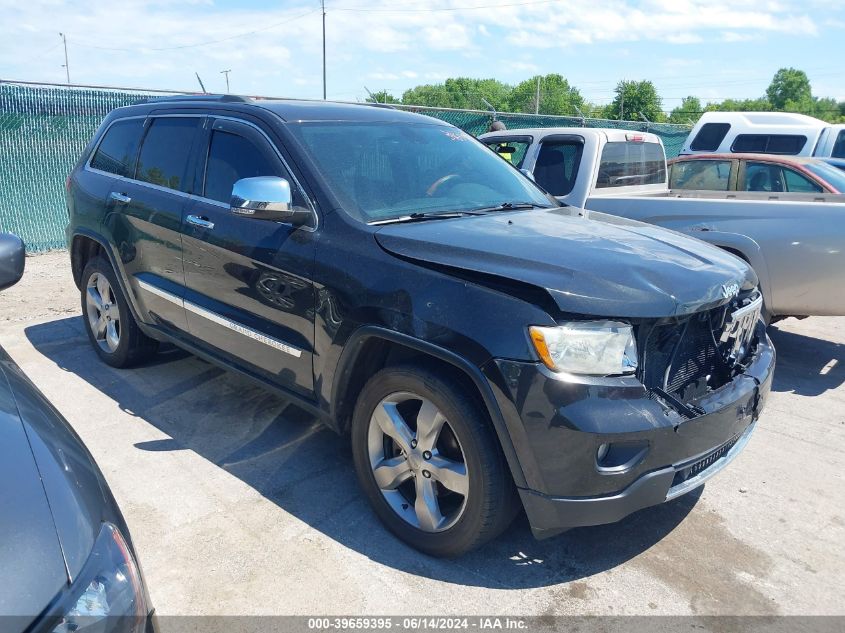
(111, 328)
(429, 461)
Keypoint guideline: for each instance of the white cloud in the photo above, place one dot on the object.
(283, 55)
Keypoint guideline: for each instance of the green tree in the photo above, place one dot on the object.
(635, 99)
(789, 85)
(382, 96)
(557, 96)
(460, 92)
(741, 105)
(689, 110)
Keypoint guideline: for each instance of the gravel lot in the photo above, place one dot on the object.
(241, 504)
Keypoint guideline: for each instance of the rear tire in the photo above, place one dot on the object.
(429, 461)
(111, 328)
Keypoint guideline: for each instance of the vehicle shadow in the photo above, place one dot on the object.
(806, 365)
(306, 469)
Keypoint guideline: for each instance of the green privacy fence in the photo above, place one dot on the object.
(44, 128)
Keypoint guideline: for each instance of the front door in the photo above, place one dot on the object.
(248, 292)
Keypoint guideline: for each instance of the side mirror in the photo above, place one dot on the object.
(528, 174)
(505, 149)
(267, 198)
(12, 259)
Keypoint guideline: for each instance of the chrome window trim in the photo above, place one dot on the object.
(220, 319)
(193, 196)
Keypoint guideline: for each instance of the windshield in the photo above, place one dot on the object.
(830, 174)
(379, 171)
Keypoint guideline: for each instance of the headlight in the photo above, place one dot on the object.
(596, 348)
(107, 596)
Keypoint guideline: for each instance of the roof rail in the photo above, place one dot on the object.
(202, 97)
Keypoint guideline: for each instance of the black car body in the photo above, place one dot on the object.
(352, 277)
(66, 556)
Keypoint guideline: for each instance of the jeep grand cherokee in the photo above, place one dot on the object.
(484, 347)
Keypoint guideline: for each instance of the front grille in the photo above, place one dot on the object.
(698, 467)
(686, 358)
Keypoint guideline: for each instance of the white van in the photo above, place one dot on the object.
(765, 133)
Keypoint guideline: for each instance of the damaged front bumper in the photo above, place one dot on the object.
(594, 450)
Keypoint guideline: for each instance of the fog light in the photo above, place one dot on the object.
(617, 457)
(602, 452)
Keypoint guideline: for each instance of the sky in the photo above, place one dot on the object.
(714, 49)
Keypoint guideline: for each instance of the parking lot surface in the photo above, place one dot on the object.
(241, 504)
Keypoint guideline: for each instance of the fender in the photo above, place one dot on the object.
(120, 273)
(747, 248)
(355, 344)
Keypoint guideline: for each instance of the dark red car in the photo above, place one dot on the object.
(755, 172)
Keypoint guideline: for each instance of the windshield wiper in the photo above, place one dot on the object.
(509, 206)
(420, 216)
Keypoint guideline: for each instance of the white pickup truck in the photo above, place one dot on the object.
(796, 245)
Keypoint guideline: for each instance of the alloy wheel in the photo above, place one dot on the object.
(417, 462)
(103, 312)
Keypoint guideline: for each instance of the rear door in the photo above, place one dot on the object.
(249, 291)
(146, 215)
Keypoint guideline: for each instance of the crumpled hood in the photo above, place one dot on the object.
(590, 263)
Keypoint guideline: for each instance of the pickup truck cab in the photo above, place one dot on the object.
(795, 245)
(485, 348)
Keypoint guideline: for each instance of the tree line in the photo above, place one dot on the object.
(789, 91)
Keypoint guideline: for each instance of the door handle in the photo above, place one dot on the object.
(120, 198)
(198, 221)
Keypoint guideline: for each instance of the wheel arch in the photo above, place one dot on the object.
(84, 246)
(749, 251)
(371, 348)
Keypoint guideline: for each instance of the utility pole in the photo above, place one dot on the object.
(537, 98)
(323, 4)
(66, 67)
(226, 73)
(622, 104)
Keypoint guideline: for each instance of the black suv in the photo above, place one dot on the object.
(485, 347)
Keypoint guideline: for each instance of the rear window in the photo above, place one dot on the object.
(164, 155)
(631, 163)
(769, 143)
(119, 147)
(557, 166)
(710, 175)
(839, 146)
(709, 137)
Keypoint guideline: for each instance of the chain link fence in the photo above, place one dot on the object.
(44, 128)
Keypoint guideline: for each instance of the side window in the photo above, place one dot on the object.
(709, 137)
(119, 147)
(711, 175)
(798, 182)
(232, 156)
(164, 155)
(769, 143)
(557, 166)
(839, 146)
(763, 177)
